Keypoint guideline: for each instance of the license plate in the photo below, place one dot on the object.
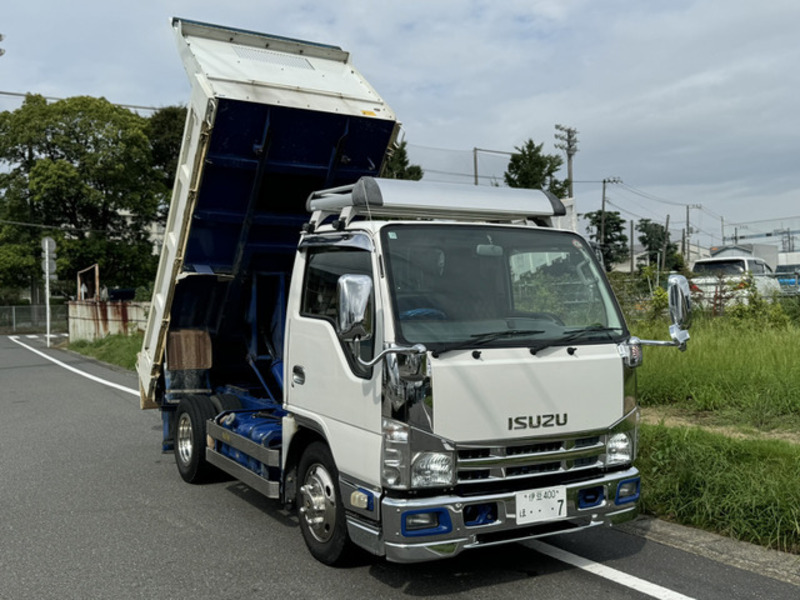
(546, 504)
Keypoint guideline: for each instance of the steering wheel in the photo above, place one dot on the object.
(420, 314)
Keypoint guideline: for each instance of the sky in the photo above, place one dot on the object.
(689, 102)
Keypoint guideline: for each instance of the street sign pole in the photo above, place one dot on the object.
(47, 291)
(49, 269)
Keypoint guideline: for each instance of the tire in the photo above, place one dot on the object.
(223, 402)
(319, 506)
(190, 438)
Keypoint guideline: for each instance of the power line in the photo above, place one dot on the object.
(56, 99)
(53, 227)
(653, 197)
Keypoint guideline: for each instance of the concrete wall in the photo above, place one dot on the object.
(93, 320)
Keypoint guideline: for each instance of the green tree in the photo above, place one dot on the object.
(652, 236)
(530, 168)
(614, 245)
(80, 170)
(397, 166)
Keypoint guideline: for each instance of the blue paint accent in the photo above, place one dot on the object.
(444, 526)
(259, 426)
(370, 499)
(262, 163)
(480, 514)
(632, 498)
(590, 497)
(167, 443)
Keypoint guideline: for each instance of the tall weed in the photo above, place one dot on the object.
(117, 350)
(745, 489)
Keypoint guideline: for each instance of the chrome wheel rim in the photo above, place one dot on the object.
(183, 439)
(318, 508)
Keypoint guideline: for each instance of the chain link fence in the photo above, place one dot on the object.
(33, 319)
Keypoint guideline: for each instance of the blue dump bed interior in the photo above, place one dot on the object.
(262, 163)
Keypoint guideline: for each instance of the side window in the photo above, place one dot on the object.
(324, 266)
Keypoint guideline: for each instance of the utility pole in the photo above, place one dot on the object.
(632, 258)
(689, 233)
(2, 50)
(568, 142)
(602, 239)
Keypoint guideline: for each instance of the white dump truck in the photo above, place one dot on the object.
(418, 368)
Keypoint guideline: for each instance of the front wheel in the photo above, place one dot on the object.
(190, 438)
(319, 506)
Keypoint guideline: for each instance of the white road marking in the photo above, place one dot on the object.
(635, 583)
(110, 384)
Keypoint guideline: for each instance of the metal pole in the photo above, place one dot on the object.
(475, 164)
(602, 240)
(666, 243)
(688, 238)
(632, 265)
(47, 290)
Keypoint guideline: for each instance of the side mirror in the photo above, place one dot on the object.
(680, 303)
(680, 309)
(354, 292)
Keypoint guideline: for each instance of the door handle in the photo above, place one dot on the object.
(298, 375)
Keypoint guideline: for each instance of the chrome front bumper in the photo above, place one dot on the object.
(399, 545)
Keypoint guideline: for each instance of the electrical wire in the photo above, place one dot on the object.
(53, 227)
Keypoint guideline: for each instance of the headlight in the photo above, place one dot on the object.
(619, 449)
(432, 469)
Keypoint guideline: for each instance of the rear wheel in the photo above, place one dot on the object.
(319, 506)
(190, 438)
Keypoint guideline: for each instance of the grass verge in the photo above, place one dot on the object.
(117, 350)
(733, 374)
(745, 489)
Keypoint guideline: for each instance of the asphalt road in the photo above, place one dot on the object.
(90, 508)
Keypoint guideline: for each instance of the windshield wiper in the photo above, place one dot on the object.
(572, 335)
(478, 340)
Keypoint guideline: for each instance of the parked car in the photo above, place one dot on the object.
(721, 281)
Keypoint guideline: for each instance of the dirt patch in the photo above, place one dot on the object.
(672, 417)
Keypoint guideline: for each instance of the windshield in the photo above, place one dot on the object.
(470, 286)
(720, 267)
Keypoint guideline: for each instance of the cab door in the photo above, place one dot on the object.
(324, 381)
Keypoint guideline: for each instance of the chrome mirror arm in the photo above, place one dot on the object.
(410, 350)
(679, 339)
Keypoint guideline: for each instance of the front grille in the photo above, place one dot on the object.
(526, 458)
